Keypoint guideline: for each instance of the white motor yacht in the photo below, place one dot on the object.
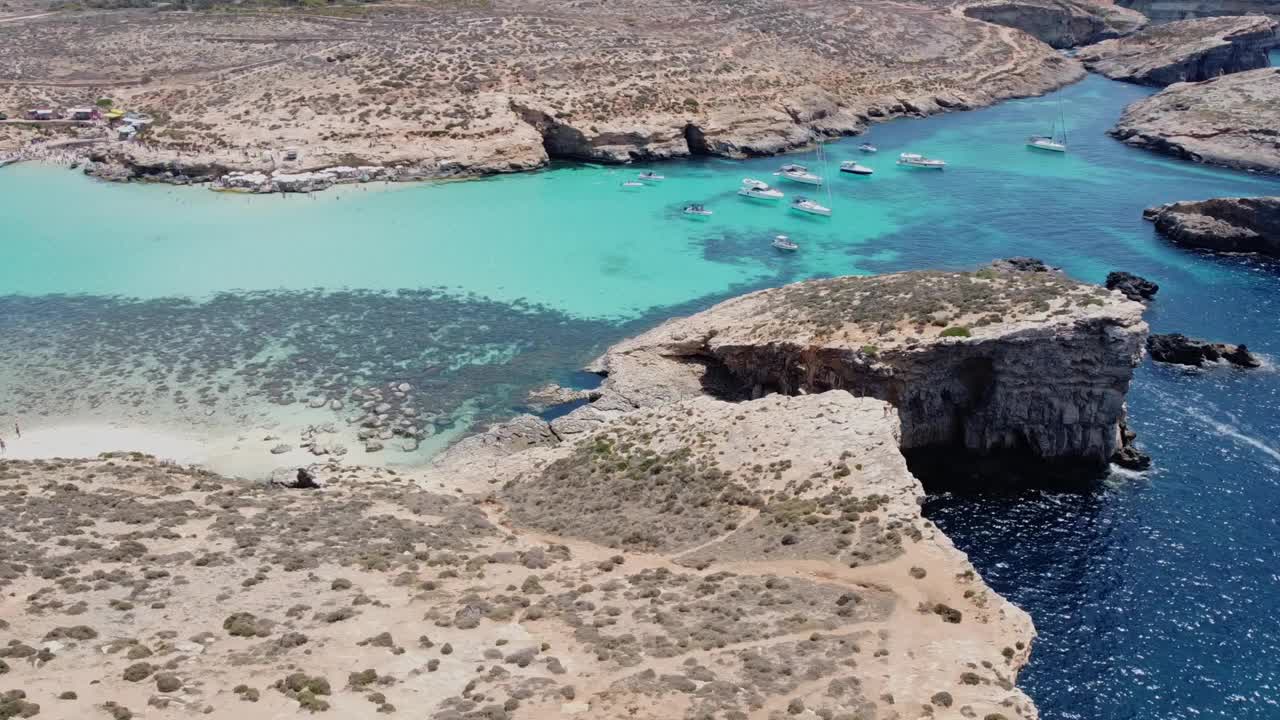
(805, 205)
(633, 184)
(920, 161)
(760, 191)
(854, 168)
(782, 242)
(798, 173)
(868, 148)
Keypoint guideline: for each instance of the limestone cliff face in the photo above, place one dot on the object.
(1059, 23)
(1228, 121)
(1029, 363)
(1222, 224)
(1167, 10)
(1186, 51)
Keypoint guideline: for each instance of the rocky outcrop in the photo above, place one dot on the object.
(1185, 51)
(1222, 224)
(1167, 10)
(1059, 23)
(991, 363)
(1131, 286)
(1229, 121)
(1181, 350)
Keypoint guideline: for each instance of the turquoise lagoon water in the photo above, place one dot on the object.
(1154, 596)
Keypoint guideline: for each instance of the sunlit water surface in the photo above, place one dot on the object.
(1155, 597)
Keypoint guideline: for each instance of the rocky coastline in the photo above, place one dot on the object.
(508, 89)
(1059, 23)
(1228, 121)
(1185, 51)
(1245, 225)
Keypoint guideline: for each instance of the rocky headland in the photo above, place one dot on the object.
(469, 88)
(1059, 23)
(1221, 224)
(1185, 51)
(1229, 121)
(729, 528)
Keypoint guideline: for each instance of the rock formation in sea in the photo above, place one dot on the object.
(1249, 224)
(1131, 286)
(472, 88)
(1185, 51)
(1181, 350)
(1059, 23)
(1229, 121)
(1167, 10)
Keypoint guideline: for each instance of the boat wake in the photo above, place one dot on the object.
(1233, 432)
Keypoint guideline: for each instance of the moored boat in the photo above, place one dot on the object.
(805, 205)
(696, 211)
(854, 168)
(868, 148)
(782, 242)
(759, 190)
(633, 184)
(651, 176)
(1045, 142)
(920, 161)
(799, 174)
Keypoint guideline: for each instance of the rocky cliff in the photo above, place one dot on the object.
(988, 363)
(1228, 121)
(1222, 224)
(1166, 10)
(1185, 51)
(1059, 23)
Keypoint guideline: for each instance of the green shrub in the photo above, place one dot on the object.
(956, 331)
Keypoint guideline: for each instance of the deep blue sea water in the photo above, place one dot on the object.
(1155, 597)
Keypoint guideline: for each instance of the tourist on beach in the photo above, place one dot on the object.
(17, 430)
(2, 447)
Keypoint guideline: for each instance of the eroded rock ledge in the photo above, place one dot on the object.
(1229, 121)
(1059, 23)
(1221, 224)
(1185, 51)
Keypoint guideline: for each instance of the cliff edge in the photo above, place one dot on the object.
(1185, 51)
(1223, 224)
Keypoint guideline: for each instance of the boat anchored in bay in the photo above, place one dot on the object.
(805, 205)
(784, 243)
(920, 161)
(799, 174)
(758, 190)
(696, 211)
(853, 167)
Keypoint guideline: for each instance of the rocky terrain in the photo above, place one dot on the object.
(1166, 10)
(1230, 121)
(728, 528)
(1222, 224)
(1185, 51)
(1179, 349)
(464, 88)
(964, 357)
(1060, 23)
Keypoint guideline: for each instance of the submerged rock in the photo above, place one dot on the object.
(1131, 286)
(1023, 264)
(1223, 224)
(1185, 51)
(1179, 349)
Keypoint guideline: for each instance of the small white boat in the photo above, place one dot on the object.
(805, 205)
(1045, 142)
(798, 173)
(651, 177)
(633, 184)
(868, 148)
(760, 191)
(920, 161)
(782, 242)
(696, 211)
(852, 167)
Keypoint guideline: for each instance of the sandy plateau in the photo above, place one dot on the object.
(464, 88)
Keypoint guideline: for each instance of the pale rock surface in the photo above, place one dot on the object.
(1185, 51)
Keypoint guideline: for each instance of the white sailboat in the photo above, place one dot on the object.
(1051, 142)
(758, 190)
